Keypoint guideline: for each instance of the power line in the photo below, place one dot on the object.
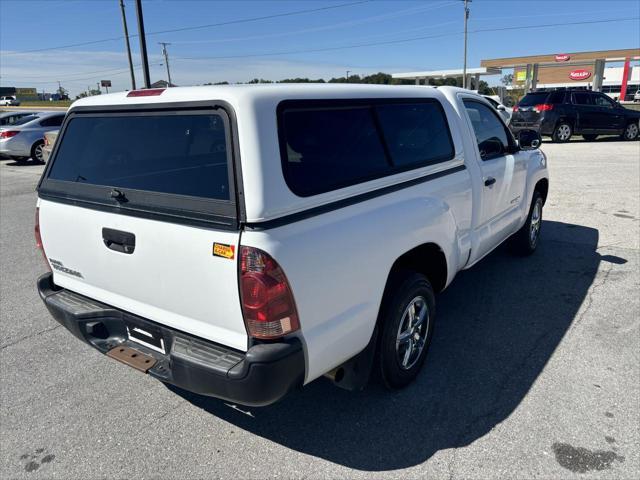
(197, 27)
(405, 40)
(76, 79)
(332, 26)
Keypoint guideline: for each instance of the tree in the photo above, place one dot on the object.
(484, 89)
(507, 79)
(301, 80)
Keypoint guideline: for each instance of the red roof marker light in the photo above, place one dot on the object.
(150, 92)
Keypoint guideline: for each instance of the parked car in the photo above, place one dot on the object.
(636, 96)
(9, 118)
(24, 139)
(563, 113)
(505, 112)
(49, 142)
(240, 241)
(9, 101)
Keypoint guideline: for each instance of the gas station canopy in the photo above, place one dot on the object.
(474, 73)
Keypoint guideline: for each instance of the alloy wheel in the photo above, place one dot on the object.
(412, 332)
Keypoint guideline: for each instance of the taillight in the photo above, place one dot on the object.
(543, 107)
(39, 238)
(515, 108)
(9, 133)
(267, 301)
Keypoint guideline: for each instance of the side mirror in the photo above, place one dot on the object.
(501, 108)
(529, 139)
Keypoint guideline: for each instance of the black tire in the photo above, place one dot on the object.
(590, 138)
(36, 151)
(562, 133)
(631, 131)
(524, 241)
(408, 288)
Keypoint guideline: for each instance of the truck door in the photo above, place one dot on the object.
(503, 170)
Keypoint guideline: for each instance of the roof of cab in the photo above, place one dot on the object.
(239, 93)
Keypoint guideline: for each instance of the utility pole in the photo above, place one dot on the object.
(126, 39)
(464, 68)
(99, 89)
(166, 60)
(348, 71)
(143, 45)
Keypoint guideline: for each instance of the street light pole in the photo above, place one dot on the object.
(348, 71)
(126, 39)
(464, 68)
(166, 60)
(143, 45)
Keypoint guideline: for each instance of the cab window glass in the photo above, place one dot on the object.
(491, 135)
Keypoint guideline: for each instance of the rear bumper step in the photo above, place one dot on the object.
(261, 376)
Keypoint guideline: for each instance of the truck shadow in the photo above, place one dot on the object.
(498, 324)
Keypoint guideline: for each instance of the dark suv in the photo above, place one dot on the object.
(564, 112)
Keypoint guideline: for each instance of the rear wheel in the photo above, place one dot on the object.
(526, 239)
(589, 138)
(36, 151)
(562, 132)
(406, 329)
(631, 131)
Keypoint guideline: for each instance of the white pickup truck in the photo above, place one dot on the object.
(241, 241)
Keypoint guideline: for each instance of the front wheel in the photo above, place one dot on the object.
(631, 132)
(526, 239)
(406, 329)
(562, 132)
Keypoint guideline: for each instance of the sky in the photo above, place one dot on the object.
(317, 39)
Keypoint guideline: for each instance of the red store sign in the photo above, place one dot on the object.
(580, 74)
(562, 57)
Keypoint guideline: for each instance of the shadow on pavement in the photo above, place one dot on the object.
(497, 326)
(26, 163)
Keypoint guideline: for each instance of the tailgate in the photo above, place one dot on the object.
(131, 206)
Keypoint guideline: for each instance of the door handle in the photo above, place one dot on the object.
(119, 241)
(489, 181)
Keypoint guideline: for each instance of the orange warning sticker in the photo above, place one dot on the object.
(224, 251)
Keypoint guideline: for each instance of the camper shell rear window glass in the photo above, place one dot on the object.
(174, 154)
(330, 144)
(168, 162)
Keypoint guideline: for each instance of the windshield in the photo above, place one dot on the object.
(531, 99)
(162, 153)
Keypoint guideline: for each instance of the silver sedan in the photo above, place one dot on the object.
(25, 138)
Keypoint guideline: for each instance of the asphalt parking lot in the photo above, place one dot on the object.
(534, 371)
